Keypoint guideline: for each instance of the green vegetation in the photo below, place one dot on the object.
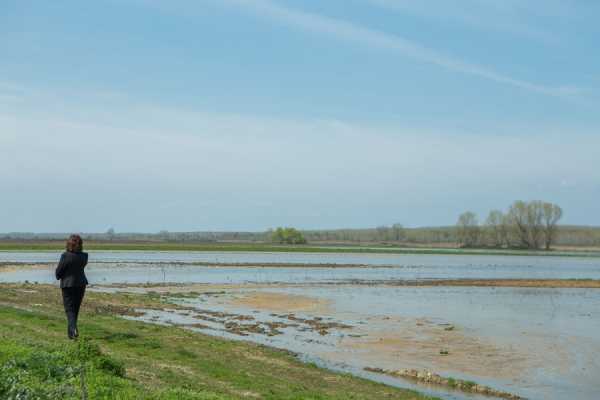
(287, 236)
(124, 359)
(492, 230)
(469, 385)
(31, 371)
(262, 247)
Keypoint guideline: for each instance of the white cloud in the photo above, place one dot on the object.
(515, 17)
(352, 32)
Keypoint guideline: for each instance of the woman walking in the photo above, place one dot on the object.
(70, 271)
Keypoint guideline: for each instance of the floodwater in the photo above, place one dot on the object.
(539, 343)
(186, 267)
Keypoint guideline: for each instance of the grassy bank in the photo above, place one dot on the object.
(264, 247)
(123, 359)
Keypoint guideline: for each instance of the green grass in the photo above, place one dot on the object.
(265, 247)
(124, 359)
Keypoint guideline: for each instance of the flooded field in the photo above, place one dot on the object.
(186, 267)
(347, 311)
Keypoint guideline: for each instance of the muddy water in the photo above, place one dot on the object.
(539, 343)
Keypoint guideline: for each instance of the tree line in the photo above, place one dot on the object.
(522, 225)
(527, 225)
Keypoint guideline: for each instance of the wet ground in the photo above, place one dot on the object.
(537, 342)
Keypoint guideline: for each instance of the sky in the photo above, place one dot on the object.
(182, 115)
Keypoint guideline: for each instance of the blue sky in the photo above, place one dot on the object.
(145, 115)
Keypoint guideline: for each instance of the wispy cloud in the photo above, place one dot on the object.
(516, 18)
(349, 31)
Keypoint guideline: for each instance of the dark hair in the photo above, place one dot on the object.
(74, 244)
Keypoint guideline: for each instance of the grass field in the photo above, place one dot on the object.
(263, 247)
(121, 359)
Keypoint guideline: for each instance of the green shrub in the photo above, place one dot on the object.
(113, 367)
(288, 236)
(30, 372)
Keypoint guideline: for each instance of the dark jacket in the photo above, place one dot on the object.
(70, 269)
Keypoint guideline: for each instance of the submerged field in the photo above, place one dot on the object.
(266, 247)
(124, 359)
(521, 325)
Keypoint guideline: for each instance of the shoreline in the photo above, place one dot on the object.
(241, 319)
(157, 359)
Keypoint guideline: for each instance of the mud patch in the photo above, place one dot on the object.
(281, 302)
(427, 345)
(11, 267)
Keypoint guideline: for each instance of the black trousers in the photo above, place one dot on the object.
(72, 298)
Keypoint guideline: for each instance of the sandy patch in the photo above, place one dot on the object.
(23, 267)
(422, 344)
(281, 302)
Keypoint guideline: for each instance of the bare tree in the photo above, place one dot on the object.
(527, 222)
(505, 230)
(517, 215)
(551, 214)
(468, 231)
(496, 228)
(535, 217)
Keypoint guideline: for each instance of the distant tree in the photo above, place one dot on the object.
(383, 232)
(534, 223)
(398, 232)
(110, 234)
(519, 225)
(535, 219)
(468, 231)
(164, 235)
(496, 229)
(287, 236)
(551, 214)
(268, 235)
(505, 230)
